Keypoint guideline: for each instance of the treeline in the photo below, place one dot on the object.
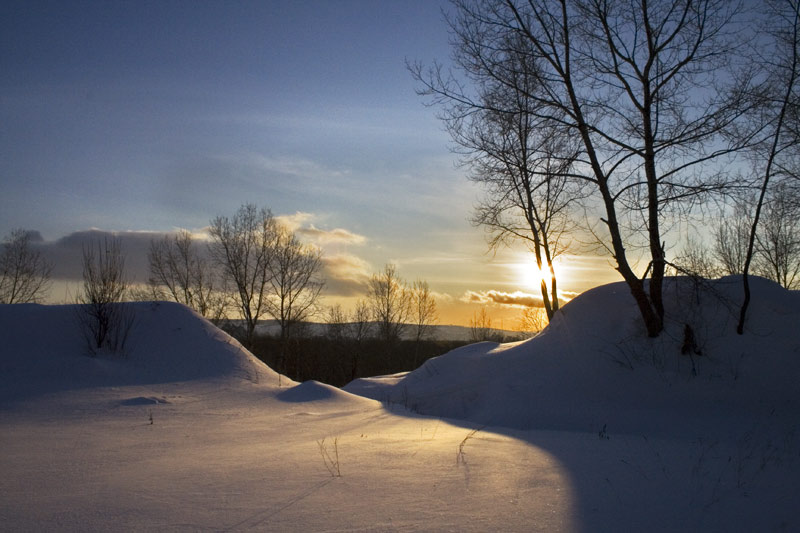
(323, 354)
(337, 361)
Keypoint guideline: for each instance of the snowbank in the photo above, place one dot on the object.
(594, 367)
(43, 350)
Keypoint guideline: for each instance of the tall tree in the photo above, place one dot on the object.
(180, 271)
(423, 310)
(731, 234)
(104, 318)
(243, 246)
(423, 314)
(631, 81)
(295, 283)
(24, 272)
(778, 239)
(520, 159)
(780, 115)
(390, 304)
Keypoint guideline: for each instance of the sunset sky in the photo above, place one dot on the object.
(143, 117)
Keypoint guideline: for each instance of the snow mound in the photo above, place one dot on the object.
(42, 349)
(314, 391)
(594, 366)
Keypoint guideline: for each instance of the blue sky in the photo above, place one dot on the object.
(151, 116)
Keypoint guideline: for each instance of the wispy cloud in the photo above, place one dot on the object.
(301, 223)
(298, 167)
(333, 236)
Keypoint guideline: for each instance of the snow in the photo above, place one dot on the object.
(590, 426)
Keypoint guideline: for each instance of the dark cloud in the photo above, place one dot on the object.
(345, 274)
(66, 253)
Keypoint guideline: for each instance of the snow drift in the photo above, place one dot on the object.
(594, 367)
(43, 350)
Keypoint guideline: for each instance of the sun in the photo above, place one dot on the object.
(530, 276)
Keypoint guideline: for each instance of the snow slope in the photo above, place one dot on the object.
(588, 427)
(594, 366)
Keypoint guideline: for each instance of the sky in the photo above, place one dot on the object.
(140, 118)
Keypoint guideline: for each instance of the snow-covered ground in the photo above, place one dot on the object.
(588, 427)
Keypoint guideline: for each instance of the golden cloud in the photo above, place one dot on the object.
(516, 298)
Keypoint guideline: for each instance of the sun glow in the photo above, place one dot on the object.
(531, 277)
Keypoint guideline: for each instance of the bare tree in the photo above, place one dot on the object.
(294, 285)
(480, 327)
(242, 246)
(336, 323)
(778, 240)
(520, 159)
(360, 325)
(24, 272)
(423, 310)
(529, 198)
(423, 314)
(179, 271)
(350, 330)
(782, 103)
(104, 318)
(390, 304)
(730, 239)
(630, 80)
(533, 320)
(696, 260)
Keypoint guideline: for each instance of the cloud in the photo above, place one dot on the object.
(296, 221)
(292, 167)
(346, 275)
(516, 298)
(301, 223)
(66, 253)
(333, 236)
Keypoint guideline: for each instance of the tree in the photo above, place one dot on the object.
(350, 331)
(336, 323)
(781, 114)
(630, 80)
(423, 310)
(179, 271)
(778, 240)
(360, 326)
(104, 318)
(480, 327)
(390, 304)
(521, 160)
(24, 272)
(697, 261)
(242, 246)
(529, 198)
(730, 239)
(294, 284)
(533, 320)
(423, 314)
